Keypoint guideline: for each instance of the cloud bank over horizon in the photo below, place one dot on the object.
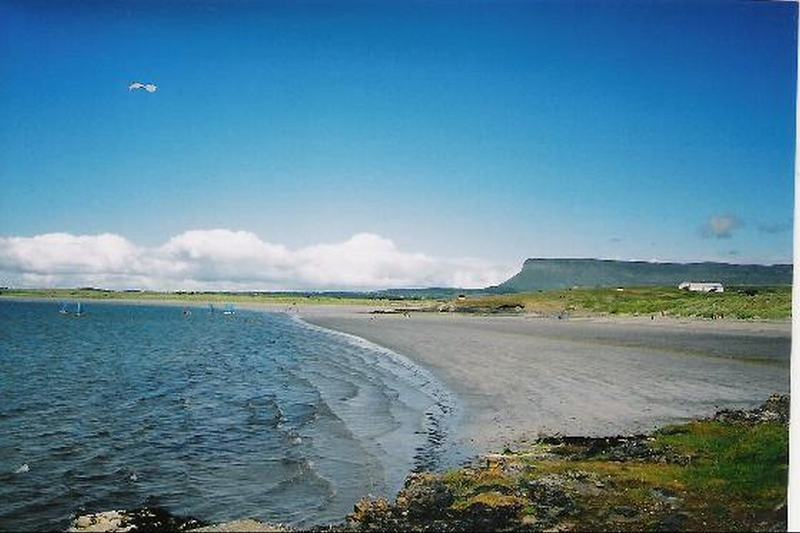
(222, 259)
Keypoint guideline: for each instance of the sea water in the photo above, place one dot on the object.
(208, 415)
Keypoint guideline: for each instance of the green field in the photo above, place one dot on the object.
(241, 298)
(735, 302)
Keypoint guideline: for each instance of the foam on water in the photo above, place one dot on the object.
(219, 417)
(437, 402)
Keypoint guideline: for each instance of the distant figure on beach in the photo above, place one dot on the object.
(186, 312)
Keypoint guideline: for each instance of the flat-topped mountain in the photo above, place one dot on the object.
(539, 274)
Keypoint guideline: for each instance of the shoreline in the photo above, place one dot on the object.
(391, 307)
(442, 416)
(519, 377)
(680, 477)
(410, 436)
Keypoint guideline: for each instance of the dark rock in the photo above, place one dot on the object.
(490, 512)
(620, 449)
(626, 511)
(424, 496)
(666, 497)
(372, 515)
(775, 409)
(672, 522)
(142, 519)
(550, 499)
(547, 493)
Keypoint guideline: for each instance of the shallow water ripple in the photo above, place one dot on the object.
(219, 417)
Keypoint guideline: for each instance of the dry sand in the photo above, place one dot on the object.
(517, 377)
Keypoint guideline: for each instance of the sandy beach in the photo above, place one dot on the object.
(518, 377)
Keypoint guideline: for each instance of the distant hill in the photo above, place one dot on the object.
(543, 274)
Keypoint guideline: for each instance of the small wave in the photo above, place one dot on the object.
(444, 406)
(293, 493)
(213, 419)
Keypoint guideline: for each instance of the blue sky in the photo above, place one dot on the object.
(495, 131)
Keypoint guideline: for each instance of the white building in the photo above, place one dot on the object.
(701, 286)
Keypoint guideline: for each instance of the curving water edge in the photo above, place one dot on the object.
(262, 415)
(440, 419)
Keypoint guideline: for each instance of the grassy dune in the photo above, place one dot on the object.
(717, 476)
(740, 303)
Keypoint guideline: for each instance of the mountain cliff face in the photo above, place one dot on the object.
(542, 274)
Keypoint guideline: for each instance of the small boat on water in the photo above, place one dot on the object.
(65, 311)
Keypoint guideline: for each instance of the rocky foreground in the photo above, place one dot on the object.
(728, 472)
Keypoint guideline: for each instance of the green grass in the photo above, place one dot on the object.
(746, 463)
(733, 477)
(738, 303)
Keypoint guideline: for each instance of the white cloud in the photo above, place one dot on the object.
(138, 86)
(721, 226)
(62, 253)
(230, 260)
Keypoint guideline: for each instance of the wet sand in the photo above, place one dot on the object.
(518, 377)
